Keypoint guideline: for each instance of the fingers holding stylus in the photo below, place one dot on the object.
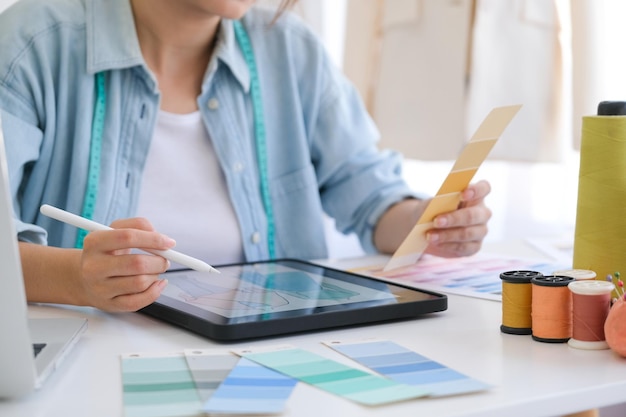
(115, 279)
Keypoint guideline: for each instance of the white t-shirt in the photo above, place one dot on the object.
(184, 192)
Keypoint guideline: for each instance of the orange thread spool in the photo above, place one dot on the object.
(551, 309)
(516, 301)
(591, 303)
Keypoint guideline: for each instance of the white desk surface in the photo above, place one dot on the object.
(529, 378)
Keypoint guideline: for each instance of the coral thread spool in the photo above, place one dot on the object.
(516, 301)
(551, 308)
(591, 302)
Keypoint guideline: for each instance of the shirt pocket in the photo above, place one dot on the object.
(298, 215)
(294, 182)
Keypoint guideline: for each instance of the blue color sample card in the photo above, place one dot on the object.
(403, 365)
(251, 389)
(158, 386)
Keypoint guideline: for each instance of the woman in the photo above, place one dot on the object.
(215, 120)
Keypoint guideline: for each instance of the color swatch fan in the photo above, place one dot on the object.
(449, 195)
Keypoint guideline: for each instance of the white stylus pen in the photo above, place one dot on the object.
(90, 225)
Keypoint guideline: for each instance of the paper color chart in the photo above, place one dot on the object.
(474, 276)
(408, 367)
(160, 386)
(449, 195)
(209, 368)
(251, 388)
(332, 376)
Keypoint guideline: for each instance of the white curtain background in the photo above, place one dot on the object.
(430, 70)
(6, 3)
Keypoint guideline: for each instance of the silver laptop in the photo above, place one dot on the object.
(30, 348)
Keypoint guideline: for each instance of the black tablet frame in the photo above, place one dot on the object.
(220, 328)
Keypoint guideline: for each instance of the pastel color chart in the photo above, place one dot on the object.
(449, 195)
(158, 386)
(331, 376)
(251, 388)
(408, 367)
(209, 369)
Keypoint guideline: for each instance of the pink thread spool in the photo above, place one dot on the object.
(591, 302)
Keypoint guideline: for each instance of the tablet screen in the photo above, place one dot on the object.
(283, 291)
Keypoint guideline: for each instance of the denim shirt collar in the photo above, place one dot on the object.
(111, 36)
(118, 48)
(229, 52)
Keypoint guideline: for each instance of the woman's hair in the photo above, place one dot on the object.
(282, 7)
(286, 4)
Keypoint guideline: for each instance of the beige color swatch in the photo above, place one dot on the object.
(449, 194)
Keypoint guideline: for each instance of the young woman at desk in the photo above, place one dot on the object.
(226, 126)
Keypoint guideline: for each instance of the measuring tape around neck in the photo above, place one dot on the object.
(93, 177)
(259, 131)
(97, 130)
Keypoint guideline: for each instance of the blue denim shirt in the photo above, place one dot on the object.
(321, 143)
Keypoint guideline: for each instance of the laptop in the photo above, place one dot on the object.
(31, 348)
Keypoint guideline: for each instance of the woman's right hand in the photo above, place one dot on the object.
(106, 273)
(115, 278)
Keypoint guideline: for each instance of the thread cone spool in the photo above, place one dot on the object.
(516, 301)
(551, 308)
(600, 233)
(591, 302)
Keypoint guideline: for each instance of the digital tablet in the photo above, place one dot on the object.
(270, 298)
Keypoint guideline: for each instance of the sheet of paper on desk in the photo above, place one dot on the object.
(403, 365)
(448, 197)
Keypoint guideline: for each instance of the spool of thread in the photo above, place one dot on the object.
(577, 274)
(551, 308)
(516, 301)
(591, 302)
(600, 233)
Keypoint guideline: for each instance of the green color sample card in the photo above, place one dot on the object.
(331, 376)
(159, 386)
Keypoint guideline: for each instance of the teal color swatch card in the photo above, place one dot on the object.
(251, 388)
(403, 365)
(332, 376)
(158, 386)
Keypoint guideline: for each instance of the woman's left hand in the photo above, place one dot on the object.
(461, 232)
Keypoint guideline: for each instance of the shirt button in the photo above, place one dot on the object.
(213, 104)
(238, 167)
(255, 238)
